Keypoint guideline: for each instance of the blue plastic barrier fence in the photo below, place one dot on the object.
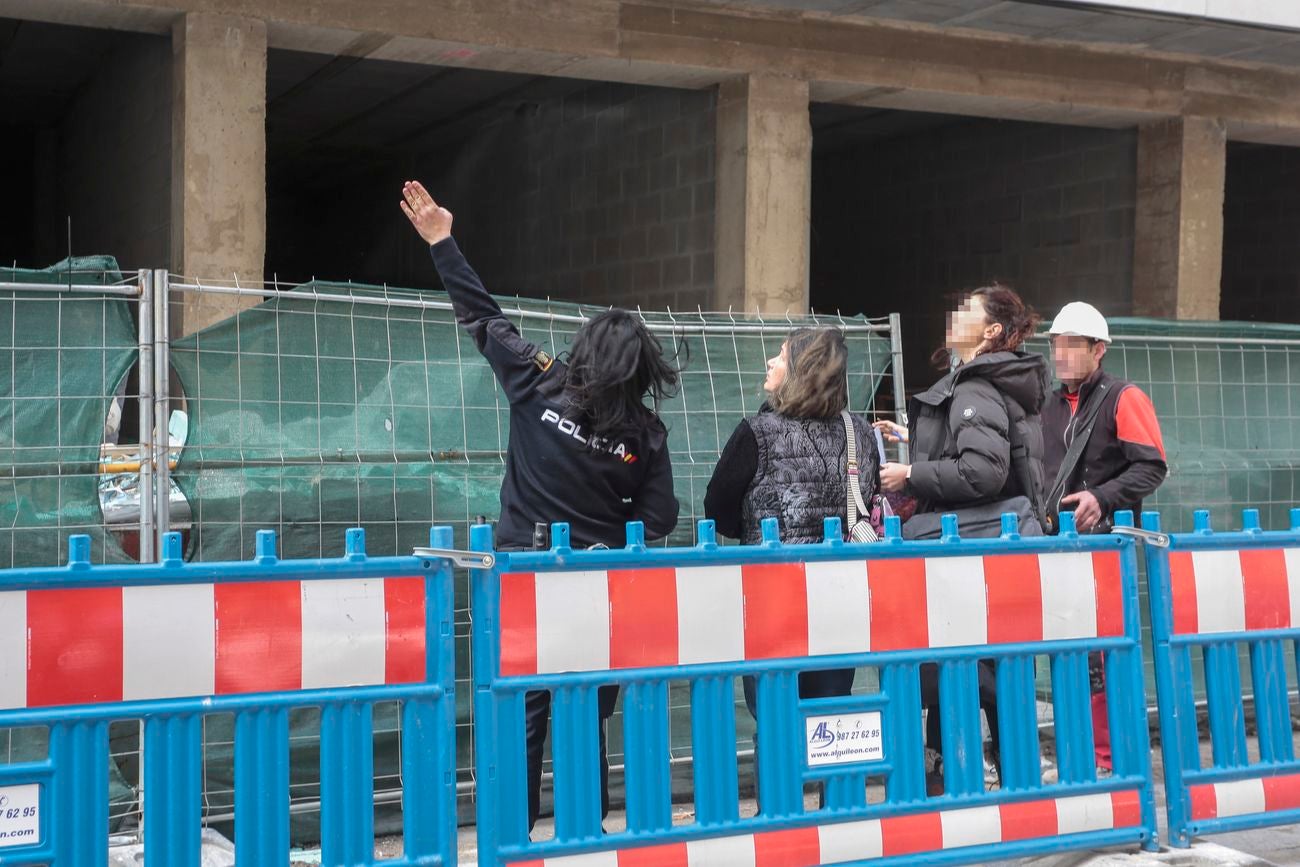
(172, 643)
(570, 621)
(1217, 594)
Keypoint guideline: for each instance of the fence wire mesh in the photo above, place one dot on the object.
(68, 339)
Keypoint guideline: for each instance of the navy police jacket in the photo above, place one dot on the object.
(553, 473)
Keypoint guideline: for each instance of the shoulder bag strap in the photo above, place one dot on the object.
(854, 488)
(1084, 423)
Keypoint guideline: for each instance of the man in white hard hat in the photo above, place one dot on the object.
(1103, 452)
(1103, 449)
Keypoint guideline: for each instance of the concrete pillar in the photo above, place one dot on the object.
(1178, 246)
(764, 183)
(218, 161)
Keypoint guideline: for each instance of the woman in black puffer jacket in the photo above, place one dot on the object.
(976, 439)
(962, 428)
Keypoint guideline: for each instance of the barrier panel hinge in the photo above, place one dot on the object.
(1151, 537)
(467, 559)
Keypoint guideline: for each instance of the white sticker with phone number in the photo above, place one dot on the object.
(20, 815)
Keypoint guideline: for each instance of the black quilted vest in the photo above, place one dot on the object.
(802, 475)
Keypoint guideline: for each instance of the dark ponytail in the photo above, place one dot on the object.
(1018, 319)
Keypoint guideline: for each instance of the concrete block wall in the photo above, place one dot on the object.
(1261, 234)
(617, 202)
(604, 195)
(108, 162)
(901, 224)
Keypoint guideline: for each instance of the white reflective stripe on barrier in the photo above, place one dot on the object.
(1067, 589)
(1220, 594)
(13, 648)
(710, 623)
(107, 644)
(839, 607)
(340, 620)
(1291, 557)
(879, 838)
(178, 621)
(954, 594)
(597, 620)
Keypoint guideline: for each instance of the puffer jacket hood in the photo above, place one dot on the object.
(962, 429)
(1021, 376)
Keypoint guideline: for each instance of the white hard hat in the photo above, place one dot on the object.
(1081, 319)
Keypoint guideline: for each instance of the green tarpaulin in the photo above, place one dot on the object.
(62, 357)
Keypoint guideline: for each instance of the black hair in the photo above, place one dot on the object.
(1018, 319)
(614, 363)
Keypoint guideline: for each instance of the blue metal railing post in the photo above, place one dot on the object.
(1173, 690)
(173, 789)
(78, 820)
(1125, 691)
(429, 725)
(262, 780)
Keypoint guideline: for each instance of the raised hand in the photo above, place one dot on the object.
(429, 219)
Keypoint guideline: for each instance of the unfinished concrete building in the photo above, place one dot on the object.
(861, 155)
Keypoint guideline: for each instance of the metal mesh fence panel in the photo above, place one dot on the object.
(67, 341)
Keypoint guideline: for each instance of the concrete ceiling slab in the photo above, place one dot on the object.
(686, 44)
(1034, 21)
(90, 13)
(961, 105)
(924, 11)
(1284, 54)
(1212, 41)
(1127, 30)
(1044, 20)
(42, 66)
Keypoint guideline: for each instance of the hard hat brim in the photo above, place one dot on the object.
(1054, 333)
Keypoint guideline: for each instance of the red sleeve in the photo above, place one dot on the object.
(1135, 420)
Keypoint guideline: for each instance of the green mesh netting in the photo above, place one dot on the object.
(62, 356)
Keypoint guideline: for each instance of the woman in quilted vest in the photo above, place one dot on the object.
(789, 462)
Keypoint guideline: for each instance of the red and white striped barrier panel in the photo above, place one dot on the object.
(1235, 591)
(112, 644)
(1243, 797)
(879, 838)
(599, 620)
